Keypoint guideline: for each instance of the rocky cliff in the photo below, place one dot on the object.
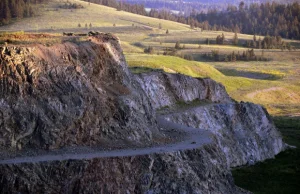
(70, 94)
(244, 131)
(68, 97)
(200, 170)
(164, 89)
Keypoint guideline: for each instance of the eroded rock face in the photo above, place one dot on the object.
(165, 89)
(70, 94)
(244, 131)
(82, 94)
(198, 171)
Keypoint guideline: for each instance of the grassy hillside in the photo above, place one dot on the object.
(52, 17)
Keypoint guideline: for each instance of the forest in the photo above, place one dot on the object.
(16, 9)
(263, 19)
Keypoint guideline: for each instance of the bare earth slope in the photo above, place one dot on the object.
(81, 95)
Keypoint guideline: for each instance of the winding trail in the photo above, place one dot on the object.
(194, 138)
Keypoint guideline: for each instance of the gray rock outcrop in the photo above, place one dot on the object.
(244, 131)
(70, 94)
(82, 94)
(164, 89)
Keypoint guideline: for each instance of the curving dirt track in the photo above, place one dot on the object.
(193, 138)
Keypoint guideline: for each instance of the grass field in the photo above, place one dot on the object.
(54, 18)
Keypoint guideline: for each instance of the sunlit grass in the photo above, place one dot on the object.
(97, 15)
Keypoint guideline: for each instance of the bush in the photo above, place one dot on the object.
(149, 50)
(188, 57)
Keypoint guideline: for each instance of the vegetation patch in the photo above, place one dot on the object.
(137, 70)
(252, 74)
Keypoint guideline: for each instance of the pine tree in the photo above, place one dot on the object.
(177, 45)
(233, 57)
(207, 41)
(259, 43)
(235, 39)
(222, 38)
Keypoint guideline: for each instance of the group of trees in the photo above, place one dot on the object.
(69, 5)
(10, 9)
(86, 25)
(247, 55)
(220, 39)
(269, 42)
(265, 19)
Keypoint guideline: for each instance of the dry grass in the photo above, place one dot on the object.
(99, 16)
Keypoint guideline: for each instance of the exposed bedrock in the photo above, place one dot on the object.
(81, 94)
(197, 171)
(165, 89)
(244, 131)
(70, 94)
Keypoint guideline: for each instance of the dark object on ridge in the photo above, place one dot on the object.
(81, 34)
(92, 33)
(68, 33)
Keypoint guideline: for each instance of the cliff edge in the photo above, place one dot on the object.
(73, 119)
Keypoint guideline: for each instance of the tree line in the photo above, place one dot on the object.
(263, 19)
(247, 55)
(268, 42)
(10, 9)
(272, 19)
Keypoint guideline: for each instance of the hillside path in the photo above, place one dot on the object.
(193, 138)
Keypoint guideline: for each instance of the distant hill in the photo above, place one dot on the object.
(54, 17)
(186, 6)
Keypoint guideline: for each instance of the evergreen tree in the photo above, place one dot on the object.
(235, 39)
(177, 45)
(207, 41)
(259, 43)
(222, 38)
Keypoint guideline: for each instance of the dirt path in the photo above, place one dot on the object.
(194, 138)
